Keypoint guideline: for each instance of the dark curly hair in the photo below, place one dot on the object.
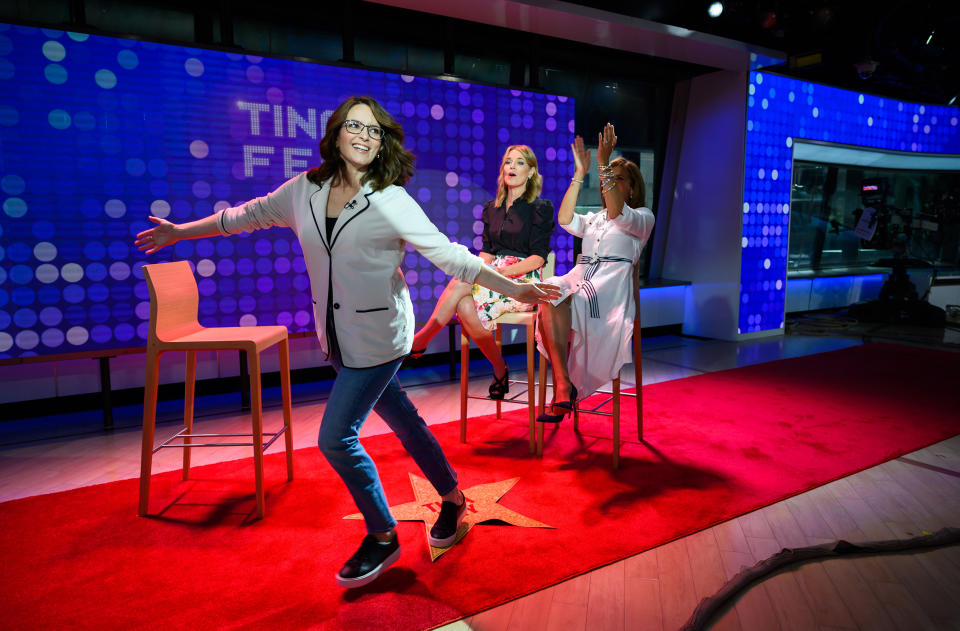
(393, 164)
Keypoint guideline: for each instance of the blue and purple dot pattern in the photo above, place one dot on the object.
(98, 133)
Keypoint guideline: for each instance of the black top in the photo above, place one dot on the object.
(523, 231)
(331, 222)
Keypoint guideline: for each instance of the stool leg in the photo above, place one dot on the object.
(638, 376)
(497, 335)
(616, 423)
(464, 379)
(541, 397)
(287, 411)
(189, 383)
(451, 352)
(149, 420)
(576, 411)
(531, 387)
(256, 409)
(542, 394)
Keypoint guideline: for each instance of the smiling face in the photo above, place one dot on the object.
(515, 171)
(359, 150)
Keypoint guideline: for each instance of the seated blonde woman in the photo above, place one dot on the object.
(516, 240)
(586, 333)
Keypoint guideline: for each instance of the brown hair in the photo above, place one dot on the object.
(638, 189)
(393, 164)
(534, 184)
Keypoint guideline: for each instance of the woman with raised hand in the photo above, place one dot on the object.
(516, 241)
(586, 333)
(353, 220)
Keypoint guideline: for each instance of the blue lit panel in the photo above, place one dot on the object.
(763, 61)
(97, 133)
(781, 109)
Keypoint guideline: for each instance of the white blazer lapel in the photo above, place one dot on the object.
(353, 208)
(318, 208)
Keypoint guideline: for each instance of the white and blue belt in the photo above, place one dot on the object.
(593, 264)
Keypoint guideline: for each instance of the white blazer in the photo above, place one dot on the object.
(360, 265)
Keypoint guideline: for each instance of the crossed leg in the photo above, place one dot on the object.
(447, 305)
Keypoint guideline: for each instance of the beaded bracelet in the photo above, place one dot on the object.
(607, 178)
(606, 172)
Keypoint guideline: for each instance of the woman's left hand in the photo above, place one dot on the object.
(535, 293)
(606, 141)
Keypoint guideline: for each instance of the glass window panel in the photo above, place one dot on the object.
(916, 215)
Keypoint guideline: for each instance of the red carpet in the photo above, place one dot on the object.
(719, 445)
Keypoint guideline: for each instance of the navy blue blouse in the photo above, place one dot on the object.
(523, 231)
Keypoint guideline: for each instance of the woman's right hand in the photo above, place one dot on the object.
(581, 158)
(536, 293)
(160, 236)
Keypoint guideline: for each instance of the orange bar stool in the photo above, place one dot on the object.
(174, 300)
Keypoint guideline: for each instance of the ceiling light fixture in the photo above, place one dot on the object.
(715, 9)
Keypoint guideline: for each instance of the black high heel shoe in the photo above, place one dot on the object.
(563, 405)
(500, 385)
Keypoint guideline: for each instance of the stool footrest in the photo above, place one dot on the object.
(594, 411)
(512, 400)
(167, 443)
(622, 393)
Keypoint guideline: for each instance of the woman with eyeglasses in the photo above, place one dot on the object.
(516, 241)
(353, 220)
(586, 333)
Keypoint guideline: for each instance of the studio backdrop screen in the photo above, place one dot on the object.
(97, 133)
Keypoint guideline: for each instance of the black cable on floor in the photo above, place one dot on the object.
(709, 606)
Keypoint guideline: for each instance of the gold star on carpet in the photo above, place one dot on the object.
(481, 507)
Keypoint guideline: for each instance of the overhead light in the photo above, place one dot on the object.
(715, 9)
(929, 38)
(953, 100)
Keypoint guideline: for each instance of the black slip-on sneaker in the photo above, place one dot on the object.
(368, 562)
(444, 531)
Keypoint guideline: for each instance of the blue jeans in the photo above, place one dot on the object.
(355, 392)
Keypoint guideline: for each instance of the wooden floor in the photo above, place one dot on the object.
(660, 588)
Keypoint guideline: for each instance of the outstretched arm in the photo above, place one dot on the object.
(524, 292)
(274, 209)
(166, 233)
(612, 198)
(413, 226)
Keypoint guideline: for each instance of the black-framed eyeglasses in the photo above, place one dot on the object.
(355, 127)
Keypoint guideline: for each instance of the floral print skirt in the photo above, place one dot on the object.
(490, 304)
